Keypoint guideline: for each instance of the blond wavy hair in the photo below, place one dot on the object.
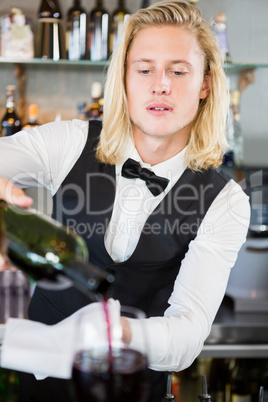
(207, 140)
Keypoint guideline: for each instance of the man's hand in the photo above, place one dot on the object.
(5, 264)
(13, 195)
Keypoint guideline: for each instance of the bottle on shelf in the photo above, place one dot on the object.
(49, 9)
(99, 32)
(49, 253)
(234, 155)
(228, 158)
(50, 35)
(10, 123)
(76, 32)
(237, 131)
(220, 31)
(94, 109)
(120, 15)
(145, 3)
(219, 380)
(81, 111)
(32, 117)
(101, 102)
(240, 384)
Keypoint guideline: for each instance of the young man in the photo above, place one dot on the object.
(170, 241)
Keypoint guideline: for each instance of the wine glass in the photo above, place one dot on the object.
(106, 369)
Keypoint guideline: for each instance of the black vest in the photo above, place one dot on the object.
(85, 203)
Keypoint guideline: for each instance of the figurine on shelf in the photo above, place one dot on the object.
(16, 36)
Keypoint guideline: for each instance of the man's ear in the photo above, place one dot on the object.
(205, 86)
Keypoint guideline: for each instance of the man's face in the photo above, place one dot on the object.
(164, 83)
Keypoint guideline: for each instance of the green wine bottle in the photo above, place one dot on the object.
(51, 254)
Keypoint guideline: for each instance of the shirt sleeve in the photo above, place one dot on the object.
(44, 155)
(176, 339)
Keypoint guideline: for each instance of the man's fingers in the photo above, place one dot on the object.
(13, 194)
(5, 264)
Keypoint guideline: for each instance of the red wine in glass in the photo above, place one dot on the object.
(113, 374)
(126, 380)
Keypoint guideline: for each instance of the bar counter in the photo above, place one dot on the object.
(235, 334)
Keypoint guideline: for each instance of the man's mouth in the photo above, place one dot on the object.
(159, 108)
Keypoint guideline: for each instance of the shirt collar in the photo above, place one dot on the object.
(171, 169)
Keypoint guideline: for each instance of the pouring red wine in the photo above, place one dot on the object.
(106, 369)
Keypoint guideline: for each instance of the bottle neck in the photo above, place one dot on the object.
(33, 113)
(99, 3)
(10, 101)
(236, 116)
(145, 3)
(49, 9)
(121, 4)
(10, 104)
(77, 3)
(32, 119)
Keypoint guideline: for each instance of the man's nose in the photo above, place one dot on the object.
(161, 84)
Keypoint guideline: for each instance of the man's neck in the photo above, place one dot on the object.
(156, 150)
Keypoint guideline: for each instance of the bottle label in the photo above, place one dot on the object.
(51, 20)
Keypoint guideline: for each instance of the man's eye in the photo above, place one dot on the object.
(178, 73)
(144, 72)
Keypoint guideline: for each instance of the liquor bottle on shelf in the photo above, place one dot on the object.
(94, 109)
(49, 253)
(240, 381)
(220, 31)
(81, 111)
(194, 2)
(228, 158)
(76, 32)
(237, 131)
(11, 123)
(234, 155)
(145, 3)
(49, 9)
(219, 380)
(99, 32)
(32, 117)
(50, 35)
(120, 15)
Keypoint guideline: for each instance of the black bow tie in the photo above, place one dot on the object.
(132, 170)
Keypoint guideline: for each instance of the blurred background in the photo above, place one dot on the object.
(57, 89)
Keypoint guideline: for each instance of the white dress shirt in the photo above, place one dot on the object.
(45, 155)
